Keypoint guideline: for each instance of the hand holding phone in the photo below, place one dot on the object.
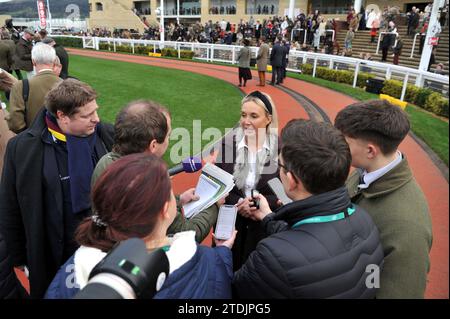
(225, 222)
(277, 188)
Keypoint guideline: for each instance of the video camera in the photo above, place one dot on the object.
(128, 271)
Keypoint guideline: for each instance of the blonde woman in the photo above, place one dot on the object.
(251, 155)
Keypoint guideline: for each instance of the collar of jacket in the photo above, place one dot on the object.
(388, 183)
(328, 203)
(38, 125)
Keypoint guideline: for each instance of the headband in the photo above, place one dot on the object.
(264, 99)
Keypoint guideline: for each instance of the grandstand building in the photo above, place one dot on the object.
(129, 14)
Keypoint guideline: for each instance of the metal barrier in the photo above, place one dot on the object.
(414, 45)
(228, 53)
(306, 32)
(292, 34)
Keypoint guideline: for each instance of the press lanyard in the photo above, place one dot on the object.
(325, 219)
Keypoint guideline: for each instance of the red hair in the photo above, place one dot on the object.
(127, 197)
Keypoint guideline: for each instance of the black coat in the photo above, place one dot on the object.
(64, 59)
(22, 193)
(10, 288)
(277, 55)
(317, 260)
(249, 232)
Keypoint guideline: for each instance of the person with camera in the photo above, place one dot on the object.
(320, 245)
(250, 155)
(133, 197)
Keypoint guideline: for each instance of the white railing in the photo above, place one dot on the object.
(228, 53)
(414, 44)
(306, 32)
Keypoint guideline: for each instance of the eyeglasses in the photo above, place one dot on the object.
(283, 166)
(287, 170)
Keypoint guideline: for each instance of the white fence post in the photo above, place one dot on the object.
(233, 55)
(132, 47)
(114, 44)
(179, 52)
(355, 79)
(405, 85)
(388, 73)
(314, 68)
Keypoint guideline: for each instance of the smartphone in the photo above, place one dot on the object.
(225, 222)
(278, 189)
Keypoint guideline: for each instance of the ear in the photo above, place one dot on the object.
(292, 182)
(61, 116)
(165, 212)
(372, 151)
(152, 146)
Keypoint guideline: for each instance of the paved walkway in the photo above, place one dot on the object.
(289, 106)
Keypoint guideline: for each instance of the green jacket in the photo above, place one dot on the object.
(200, 223)
(399, 209)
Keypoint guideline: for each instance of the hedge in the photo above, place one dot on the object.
(423, 97)
(69, 42)
(341, 76)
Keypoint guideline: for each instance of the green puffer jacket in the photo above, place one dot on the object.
(399, 209)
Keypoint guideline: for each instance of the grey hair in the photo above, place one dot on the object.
(43, 54)
(241, 166)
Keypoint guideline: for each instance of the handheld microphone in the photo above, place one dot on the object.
(188, 165)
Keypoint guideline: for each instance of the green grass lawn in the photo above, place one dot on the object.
(430, 128)
(188, 96)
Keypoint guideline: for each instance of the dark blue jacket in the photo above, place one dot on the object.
(207, 275)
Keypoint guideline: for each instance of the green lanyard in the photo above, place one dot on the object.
(325, 219)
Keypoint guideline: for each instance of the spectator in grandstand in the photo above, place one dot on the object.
(250, 155)
(413, 21)
(244, 63)
(388, 40)
(320, 245)
(349, 39)
(27, 96)
(384, 185)
(145, 209)
(439, 69)
(397, 49)
(261, 60)
(51, 163)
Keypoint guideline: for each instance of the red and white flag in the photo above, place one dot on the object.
(42, 14)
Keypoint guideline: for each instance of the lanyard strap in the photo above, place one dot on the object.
(325, 219)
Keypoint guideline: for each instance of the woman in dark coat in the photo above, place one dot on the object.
(251, 155)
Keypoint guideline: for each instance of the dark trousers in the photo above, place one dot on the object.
(277, 73)
(385, 52)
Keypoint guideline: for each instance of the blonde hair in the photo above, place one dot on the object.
(241, 165)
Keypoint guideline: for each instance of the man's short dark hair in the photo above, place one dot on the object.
(137, 124)
(376, 121)
(317, 154)
(68, 96)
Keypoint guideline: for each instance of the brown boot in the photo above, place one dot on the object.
(263, 79)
